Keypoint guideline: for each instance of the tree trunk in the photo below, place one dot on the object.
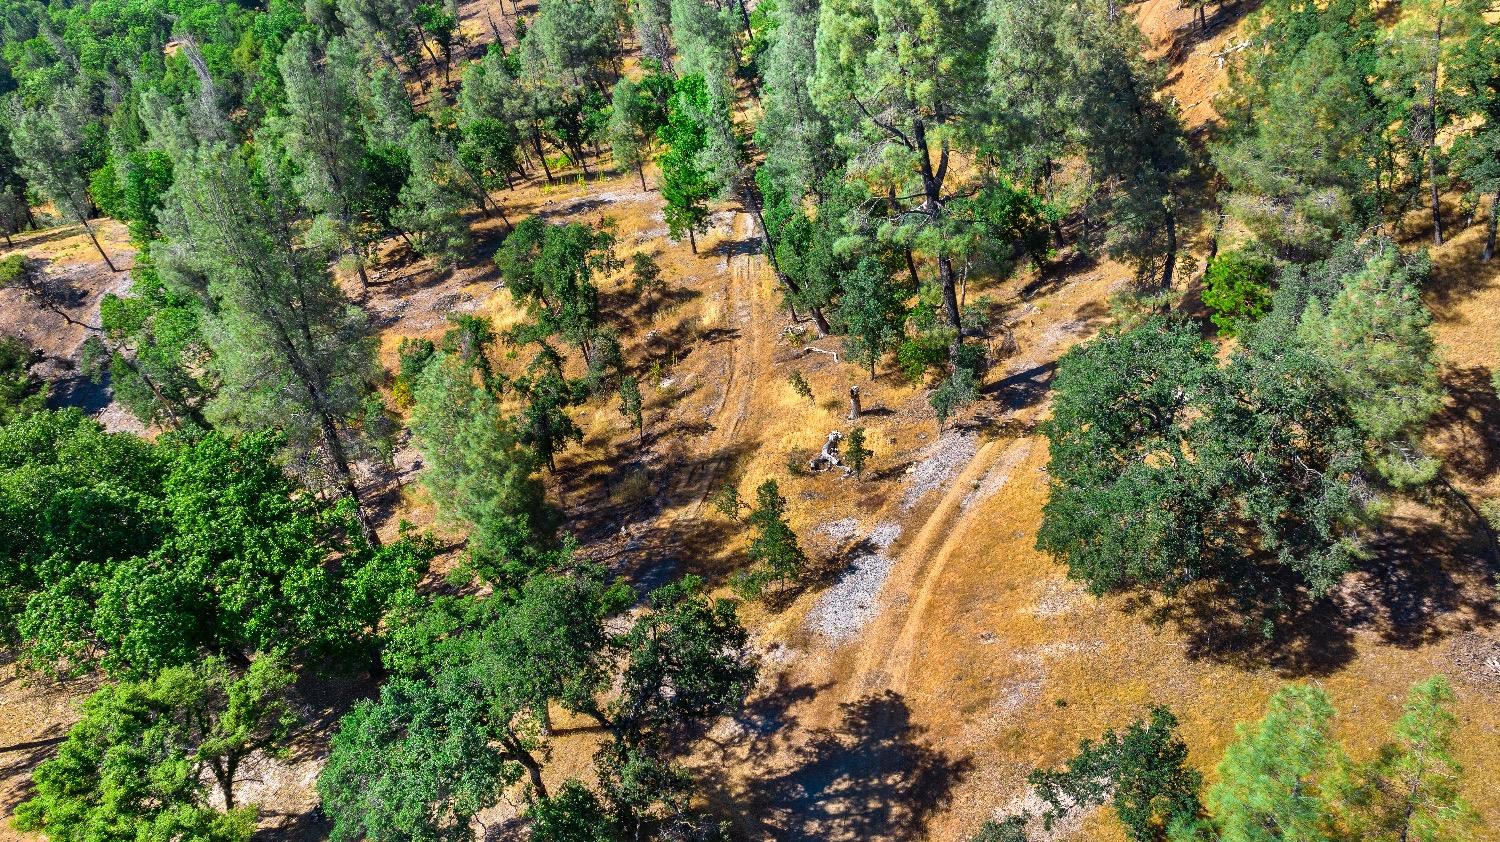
(911, 262)
(364, 277)
(536, 142)
(753, 201)
(89, 229)
(692, 240)
(854, 403)
(1166, 273)
(950, 305)
(228, 782)
(1489, 239)
(640, 171)
(340, 459)
(533, 768)
(1432, 92)
(932, 188)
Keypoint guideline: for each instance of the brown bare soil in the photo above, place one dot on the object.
(960, 657)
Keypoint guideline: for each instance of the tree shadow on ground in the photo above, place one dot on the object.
(731, 248)
(80, 391)
(1226, 16)
(21, 759)
(1427, 575)
(309, 826)
(872, 775)
(1307, 638)
(1022, 389)
(1465, 426)
(1457, 275)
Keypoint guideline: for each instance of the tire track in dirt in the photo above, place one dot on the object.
(903, 654)
(923, 560)
(743, 299)
(944, 529)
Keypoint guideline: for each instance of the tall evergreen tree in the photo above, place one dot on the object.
(1304, 147)
(1272, 780)
(290, 350)
(321, 132)
(795, 135)
(653, 30)
(1411, 792)
(1423, 50)
(49, 142)
(903, 79)
(477, 472)
(1477, 152)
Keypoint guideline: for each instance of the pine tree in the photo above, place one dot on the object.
(1411, 791)
(1304, 148)
(1374, 336)
(49, 142)
(322, 133)
(630, 406)
(774, 546)
(795, 135)
(1477, 152)
(1134, 145)
(489, 115)
(580, 41)
(13, 187)
(1272, 778)
(1422, 50)
(902, 81)
(857, 453)
(432, 199)
(653, 30)
(290, 350)
(477, 471)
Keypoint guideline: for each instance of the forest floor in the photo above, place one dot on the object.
(907, 691)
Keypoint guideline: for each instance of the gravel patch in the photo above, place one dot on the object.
(950, 453)
(884, 535)
(845, 608)
(839, 532)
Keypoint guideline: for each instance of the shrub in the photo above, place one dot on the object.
(1236, 287)
(799, 385)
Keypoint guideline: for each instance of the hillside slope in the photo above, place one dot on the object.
(907, 695)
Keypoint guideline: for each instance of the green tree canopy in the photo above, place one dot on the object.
(135, 766)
